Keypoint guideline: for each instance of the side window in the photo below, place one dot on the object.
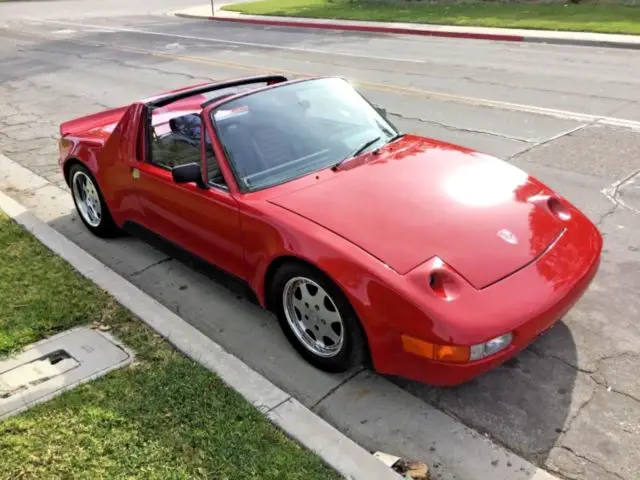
(176, 142)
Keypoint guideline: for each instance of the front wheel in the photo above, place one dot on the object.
(317, 319)
(90, 204)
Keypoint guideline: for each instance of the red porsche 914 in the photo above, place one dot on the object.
(427, 260)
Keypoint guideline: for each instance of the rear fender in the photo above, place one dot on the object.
(83, 124)
(85, 153)
(111, 160)
(121, 152)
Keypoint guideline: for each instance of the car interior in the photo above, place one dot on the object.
(258, 143)
(181, 145)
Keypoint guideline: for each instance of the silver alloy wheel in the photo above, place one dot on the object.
(87, 198)
(313, 317)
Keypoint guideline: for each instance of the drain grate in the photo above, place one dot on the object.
(57, 364)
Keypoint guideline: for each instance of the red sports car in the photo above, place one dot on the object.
(432, 261)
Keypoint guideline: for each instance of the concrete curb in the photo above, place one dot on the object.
(328, 25)
(337, 450)
(584, 39)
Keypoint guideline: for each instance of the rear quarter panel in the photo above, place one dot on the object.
(109, 157)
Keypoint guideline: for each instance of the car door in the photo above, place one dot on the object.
(204, 221)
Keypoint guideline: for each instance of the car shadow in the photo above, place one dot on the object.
(234, 285)
(525, 404)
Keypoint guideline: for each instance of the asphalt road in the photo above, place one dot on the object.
(569, 115)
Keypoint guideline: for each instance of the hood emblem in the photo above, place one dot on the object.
(507, 236)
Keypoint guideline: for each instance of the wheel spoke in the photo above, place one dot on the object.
(298, 303)
(329, 333)
(310, 291)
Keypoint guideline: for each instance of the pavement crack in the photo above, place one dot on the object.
(579, 411)
(138, 272)
(459, 129)
(335, 388)
(586, 371)
(607, 214)
(576, 367)
(118, 62)
(612, 192)
(553, 139)
(584, 458)
(602, 379)
(612, 357)
(269, 410)
(609, 388)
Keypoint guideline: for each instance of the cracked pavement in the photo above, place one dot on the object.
(571, 402)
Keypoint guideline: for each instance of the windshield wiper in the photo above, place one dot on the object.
(357, 151)
(396, 137)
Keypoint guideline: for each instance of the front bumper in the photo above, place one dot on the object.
(524, 307)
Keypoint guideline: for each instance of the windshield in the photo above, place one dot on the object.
(289, 131)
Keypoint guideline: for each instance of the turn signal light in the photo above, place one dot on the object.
(441, 353)
(64, 144)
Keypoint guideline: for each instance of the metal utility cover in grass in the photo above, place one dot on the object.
(56, 364)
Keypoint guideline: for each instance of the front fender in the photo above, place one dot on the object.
(375, 291)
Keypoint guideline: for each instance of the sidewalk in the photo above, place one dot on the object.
(449, 31)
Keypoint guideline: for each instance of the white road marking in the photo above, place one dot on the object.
(97, 30)
(481, 102)
(174, 46)
(245, 44)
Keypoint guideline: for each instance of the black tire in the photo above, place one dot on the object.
(106, 228)
(354, 351)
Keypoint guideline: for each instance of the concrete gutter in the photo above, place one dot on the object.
(447, 31)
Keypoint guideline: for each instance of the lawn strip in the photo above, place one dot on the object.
(163, 417)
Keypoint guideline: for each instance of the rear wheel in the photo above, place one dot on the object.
(317, 318)
(90, 204)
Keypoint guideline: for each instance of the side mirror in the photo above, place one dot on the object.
(188, 173)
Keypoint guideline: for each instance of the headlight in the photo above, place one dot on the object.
(494, 345)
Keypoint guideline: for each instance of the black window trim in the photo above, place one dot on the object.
(210, 87)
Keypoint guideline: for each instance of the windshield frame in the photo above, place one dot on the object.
(238, 178)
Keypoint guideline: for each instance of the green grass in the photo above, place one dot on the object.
(164, 417)
(604, 18)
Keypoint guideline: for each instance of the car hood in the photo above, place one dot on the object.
(420, 198)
